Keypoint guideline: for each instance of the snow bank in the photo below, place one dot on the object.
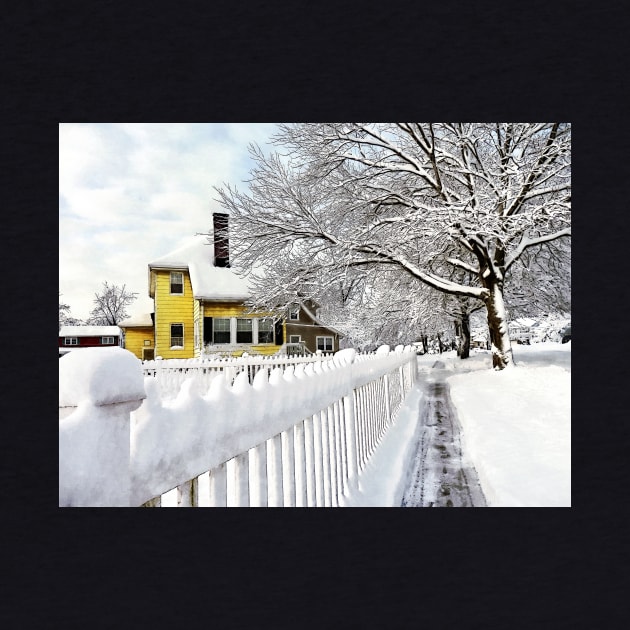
(517, 426)
(382, 481)
(100, 376)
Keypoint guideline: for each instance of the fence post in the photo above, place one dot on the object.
(274, 471)
(351, 441)
(218, 486)
(318, 461)
(300, 465)
(343, 450)
(155, 502)
(188, 493)
(238, 480)
(258, 476)
(333, 452)
(288, 467)
(309, 459)
(388, 411)
(98, 390)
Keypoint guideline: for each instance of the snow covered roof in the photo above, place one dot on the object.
(316, 320)
(524, 322)
(143, 319)
(208, 282)
(89, 331)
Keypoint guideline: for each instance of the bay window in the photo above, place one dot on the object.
(244, 331)
(220, 330)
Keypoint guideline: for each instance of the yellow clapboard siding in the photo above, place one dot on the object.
(224, 309)
(267, 350)
(173, 309)
(184, 309)
(229, 309)
(135, 338)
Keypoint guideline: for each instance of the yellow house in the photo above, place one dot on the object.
(199, 305)
(139, 336)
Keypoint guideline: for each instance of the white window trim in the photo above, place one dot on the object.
(233, 343)
(70, 341)
(294, 311)
(171, 346)
(293, 337)
(332, 342)
(244, 343)
(105, 342)
(256, 331)
(214, 330)
(170, 282)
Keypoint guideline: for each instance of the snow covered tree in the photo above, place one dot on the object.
(382, 308)
(111, 305)
(540, 281)
(423, 198)
(65, 318)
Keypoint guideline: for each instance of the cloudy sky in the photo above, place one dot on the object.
(130, 193)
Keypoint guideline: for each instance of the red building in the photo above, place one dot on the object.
(75, 337)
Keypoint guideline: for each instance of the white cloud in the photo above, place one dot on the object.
(129, 193)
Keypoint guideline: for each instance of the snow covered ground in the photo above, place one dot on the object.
(516, 430)
(517, 425)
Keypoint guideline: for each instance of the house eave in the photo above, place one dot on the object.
(317, 321)
(221, 298)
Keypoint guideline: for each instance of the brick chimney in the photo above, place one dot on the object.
(221, 241)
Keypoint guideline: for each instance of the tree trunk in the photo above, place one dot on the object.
(458, 337)
(425, 343)
(497, 324)
(464, 339)
(440, 345)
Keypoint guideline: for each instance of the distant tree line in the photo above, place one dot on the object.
(110, 307)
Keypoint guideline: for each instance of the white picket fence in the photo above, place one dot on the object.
(298, 436)
(171, 373)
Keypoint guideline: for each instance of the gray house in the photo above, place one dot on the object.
(305, 333)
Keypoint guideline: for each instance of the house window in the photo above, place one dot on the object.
(177, 336)
(294, 313)
(265, 330)
(244, 331)
(177, 283)
(70, 341)
(147, 342)
(325, 344)
(107, 341)
(221, 331)
(295, 338)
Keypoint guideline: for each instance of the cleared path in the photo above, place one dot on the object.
(438, 477)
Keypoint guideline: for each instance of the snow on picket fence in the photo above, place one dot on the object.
(172, 373)
(298, 436)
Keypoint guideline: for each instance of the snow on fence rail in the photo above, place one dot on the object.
(298, 436)
(171, 373)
